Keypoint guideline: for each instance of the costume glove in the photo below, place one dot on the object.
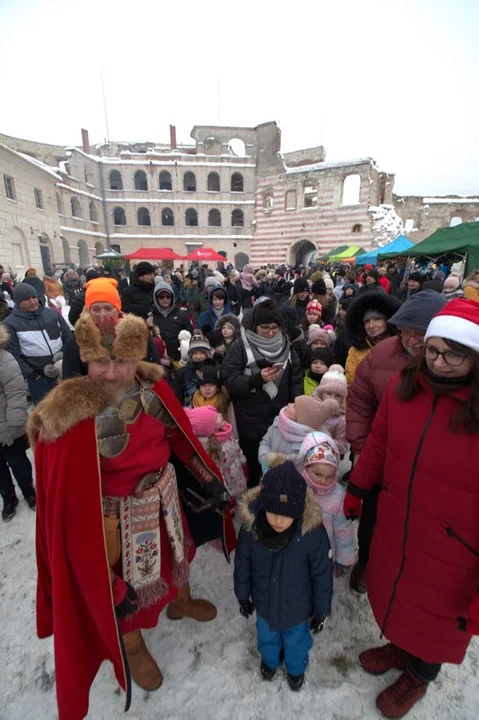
(471, 623)
(318, 623)
(352, 506)
(220, 494)
(246, 609)
(124, 598)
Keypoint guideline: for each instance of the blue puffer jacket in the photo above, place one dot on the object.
(209, 317)
(290, 585)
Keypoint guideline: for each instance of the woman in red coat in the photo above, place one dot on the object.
(423, 571)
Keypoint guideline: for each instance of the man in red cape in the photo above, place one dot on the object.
(113, 542)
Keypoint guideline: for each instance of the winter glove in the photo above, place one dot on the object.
(221, 497)
(317, 623)
(471, 623)
(51, 372)
(124, 598)
(352, 506)
(246, 609)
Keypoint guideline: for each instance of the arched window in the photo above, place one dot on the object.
(456, 220)
(237, 147)
(67, 256)
(191, 218)
(119, 217)
(214, 218)
(83, 254)
(60, 205)
(116, 183)
(268, 201)
(143, 215)
(141, 182)
(93, 212)
(165, 180)
(99, 248)
(189, 182)
(76, 207)
(290, 200)
(357, 228)
(167, 217)
(213, 182)
(351, 190)
(237, 182)
(237, 218)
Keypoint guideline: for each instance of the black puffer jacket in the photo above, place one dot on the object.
(76, 306)
(137, 298)
(172, 324)
(254, 409)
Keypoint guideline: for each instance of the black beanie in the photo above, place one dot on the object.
(216, 338)
(319, 287)
(300, 285)
(283, 491)
(290, 316)
(345, 302)
(417, 277)
(325, 355)
(209, 374)
(144, 268)
(265, 313)
(91, 275)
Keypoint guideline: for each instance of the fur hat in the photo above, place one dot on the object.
(229, 319)
(333, 381)
(126, 338)
(283, 491)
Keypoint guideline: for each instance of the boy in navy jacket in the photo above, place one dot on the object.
(284, 570)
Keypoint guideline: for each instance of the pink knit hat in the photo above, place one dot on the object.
(316, 332)
(333, 381)
(203, 420)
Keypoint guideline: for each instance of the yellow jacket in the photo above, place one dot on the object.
(354, 358)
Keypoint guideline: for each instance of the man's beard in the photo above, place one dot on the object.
(115, 392)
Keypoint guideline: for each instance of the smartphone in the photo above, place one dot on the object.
(277, 366)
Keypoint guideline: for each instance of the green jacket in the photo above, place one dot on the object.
(309, 384)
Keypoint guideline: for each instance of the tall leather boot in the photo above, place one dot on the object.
(144, 670)
(186, 606)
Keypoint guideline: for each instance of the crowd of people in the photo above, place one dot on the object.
(197, 396)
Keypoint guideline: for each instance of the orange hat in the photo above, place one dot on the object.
(102, 290)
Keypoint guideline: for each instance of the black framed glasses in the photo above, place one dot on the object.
(450, 357)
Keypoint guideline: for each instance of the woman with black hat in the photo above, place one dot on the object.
(300, 297)
(262, 374)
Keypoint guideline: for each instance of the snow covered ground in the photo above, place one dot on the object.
(211, 670)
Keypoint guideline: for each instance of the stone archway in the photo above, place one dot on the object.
(300, 252)
(241, 259)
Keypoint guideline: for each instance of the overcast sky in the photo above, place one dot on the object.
(397, 81)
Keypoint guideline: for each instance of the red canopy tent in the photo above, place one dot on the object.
(203, 254)
(153, 254)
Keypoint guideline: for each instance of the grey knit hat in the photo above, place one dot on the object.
(23, 291)
(418, 311)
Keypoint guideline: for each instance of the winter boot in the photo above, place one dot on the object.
(31, 497)
(357, 581)
(295, 682)
(185, 606)
(381, 659)
(399, 698)
(144, 670)
(266, 672)
(9, 507)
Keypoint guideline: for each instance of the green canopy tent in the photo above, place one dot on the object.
(348, 254)
(325, 257)
(461, 240)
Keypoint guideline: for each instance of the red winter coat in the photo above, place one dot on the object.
(423, 571)
(365, 392)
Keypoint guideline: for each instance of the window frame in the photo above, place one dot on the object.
(38, 195)
(9, 180)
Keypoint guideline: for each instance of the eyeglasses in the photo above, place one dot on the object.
(164, 296)
(271, 329)
(408, 335)
(450, 357)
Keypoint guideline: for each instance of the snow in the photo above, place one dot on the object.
(327, 165)
(173, 199)
(79, 192)
(33, 161)
(211, 670)
(387, 224)
(449, 200)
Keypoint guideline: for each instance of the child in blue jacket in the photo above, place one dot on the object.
(284, 570)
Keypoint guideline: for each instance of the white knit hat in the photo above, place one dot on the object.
(333, 381)
(457, 321)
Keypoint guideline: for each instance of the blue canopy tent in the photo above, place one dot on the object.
(399, 245)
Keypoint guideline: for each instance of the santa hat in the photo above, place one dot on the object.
(457, 321)
(314, 307)
(203, 420)
(333, 381)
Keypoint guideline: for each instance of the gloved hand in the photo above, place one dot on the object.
(124, 598)
(471, 623)
(51, 372)
(220, 494)
(352, 506)
(246, 609)
(317, 623)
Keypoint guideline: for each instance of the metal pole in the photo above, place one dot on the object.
(104, 107)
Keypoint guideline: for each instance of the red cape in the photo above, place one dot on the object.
(74, 598)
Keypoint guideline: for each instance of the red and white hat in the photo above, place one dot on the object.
(457, 321)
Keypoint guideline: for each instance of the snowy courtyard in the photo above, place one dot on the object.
(211, 671)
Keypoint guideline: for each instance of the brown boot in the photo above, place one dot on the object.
(185, 606)
(144, 670)
(357, 580)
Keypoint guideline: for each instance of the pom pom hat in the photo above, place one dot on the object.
(457, 321)
(333, 381)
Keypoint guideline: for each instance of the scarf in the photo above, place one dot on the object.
(224, 433)
(248, 281)
(273, 350)
(443, 385)
(269, 537)
(317, 377)
(218, 313)
(291, 430)
(319, 489)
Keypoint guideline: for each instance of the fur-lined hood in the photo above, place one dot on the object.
(312, 517)
(371, 300)
(4, 336)
(74, 401)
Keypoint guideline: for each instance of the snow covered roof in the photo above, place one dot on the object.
(33, 161)
(449, 200)
(328, 165)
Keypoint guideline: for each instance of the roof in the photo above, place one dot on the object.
(33, 161)
(328, 165)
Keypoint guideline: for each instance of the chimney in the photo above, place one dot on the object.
(173, 137)
(85, 141)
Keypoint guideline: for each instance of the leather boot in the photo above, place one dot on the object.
(357, 581)
(185, 606)
(144, 670)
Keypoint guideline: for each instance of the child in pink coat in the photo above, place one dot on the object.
(216, 436)
(333, 386)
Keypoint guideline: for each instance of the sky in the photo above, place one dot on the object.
(396, 81)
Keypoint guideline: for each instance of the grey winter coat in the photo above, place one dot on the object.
(13, 396)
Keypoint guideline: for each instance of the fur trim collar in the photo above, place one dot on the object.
(4, 336)
(74, 401)
(127, 340)
(312, 517)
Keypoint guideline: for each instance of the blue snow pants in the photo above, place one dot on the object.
(296, 643)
